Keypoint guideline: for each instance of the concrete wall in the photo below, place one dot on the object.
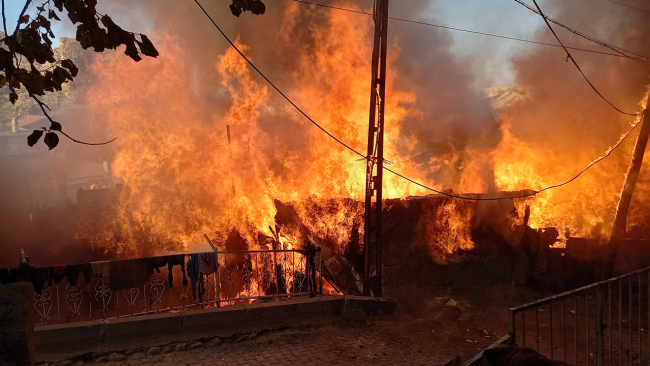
(65, 341)
(16, 330)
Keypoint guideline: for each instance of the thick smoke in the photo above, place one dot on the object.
(170, 116)
(564, 125)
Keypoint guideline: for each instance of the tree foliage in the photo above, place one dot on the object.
(28, 60)
(254, 6)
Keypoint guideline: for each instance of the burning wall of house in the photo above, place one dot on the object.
(170, 116)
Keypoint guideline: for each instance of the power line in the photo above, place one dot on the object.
(608, 153)
(575, 63)
(630, 6)
(390, 170)
(619, 50)
(466, 30)
(273, 85)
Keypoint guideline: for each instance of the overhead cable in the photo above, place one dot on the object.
(576, 64)
(465, 30)
(532, 193)
(619, 50)
(630, 6)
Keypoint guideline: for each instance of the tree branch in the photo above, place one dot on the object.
(87, 143)
(21, 14)
(4, 20)
(43, 106)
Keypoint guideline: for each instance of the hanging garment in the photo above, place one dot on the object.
(58, 272)
(101, 269)
(72, 272)
(43, 279)
(195, 276)
(172, 261)
(130, 273)
(24, 272)
(157, 262)
(4, 276)
(208, 263)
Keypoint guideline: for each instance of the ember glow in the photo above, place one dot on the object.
(170, 116)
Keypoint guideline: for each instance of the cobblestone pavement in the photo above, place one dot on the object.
(397, 342)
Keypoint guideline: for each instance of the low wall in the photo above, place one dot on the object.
(16, 336)
(64, 341)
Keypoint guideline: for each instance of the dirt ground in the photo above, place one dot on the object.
(411, 338)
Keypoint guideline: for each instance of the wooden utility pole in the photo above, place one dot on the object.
(375, 157)
(618, 229)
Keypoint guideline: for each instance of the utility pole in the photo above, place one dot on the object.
(232, 179)
(375, 157)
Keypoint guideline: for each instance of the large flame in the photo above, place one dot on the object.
(172, 152)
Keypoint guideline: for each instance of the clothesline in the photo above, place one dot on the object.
(123, 274)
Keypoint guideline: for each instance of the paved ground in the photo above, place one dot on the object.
(402, 341)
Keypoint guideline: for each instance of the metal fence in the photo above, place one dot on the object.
(604, 323)
(243, 276)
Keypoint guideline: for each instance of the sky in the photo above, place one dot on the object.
(492, 16)
(490, 56)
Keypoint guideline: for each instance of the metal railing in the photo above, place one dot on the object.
(243, 276)
(604, 323)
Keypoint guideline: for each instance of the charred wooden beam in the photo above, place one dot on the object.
(336, 269)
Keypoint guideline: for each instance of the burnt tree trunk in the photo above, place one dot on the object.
(618, 229)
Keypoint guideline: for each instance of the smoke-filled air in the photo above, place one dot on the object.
(205, 144)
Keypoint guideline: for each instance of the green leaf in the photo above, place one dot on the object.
(14, 83)
(52, 15)
(56, 126)
(13, 97)
(34, 83)
(5, 59)
(68, 64)
(59, 4)
(51, 140)
(47, 39)
(132, 52)
(147, 48)
(34, 137)
(19, 37)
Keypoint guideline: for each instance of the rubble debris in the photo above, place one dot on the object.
(448, 316)
(337, 269)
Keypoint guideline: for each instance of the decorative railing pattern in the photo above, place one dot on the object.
(604, 323)
(243, 276)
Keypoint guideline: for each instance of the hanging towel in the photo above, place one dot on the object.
(195, 276)
(130, 273)
(43, 279)
(208, 262)
(101, 269)
(172, 261)
(24, 272)
(58, 272)
(157, 262)
(72, 272)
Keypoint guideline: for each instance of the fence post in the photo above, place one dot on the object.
(308, 267)
(512, 327)
(599, 326)
(320, 271)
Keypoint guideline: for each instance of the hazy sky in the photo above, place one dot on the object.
(490, 57)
